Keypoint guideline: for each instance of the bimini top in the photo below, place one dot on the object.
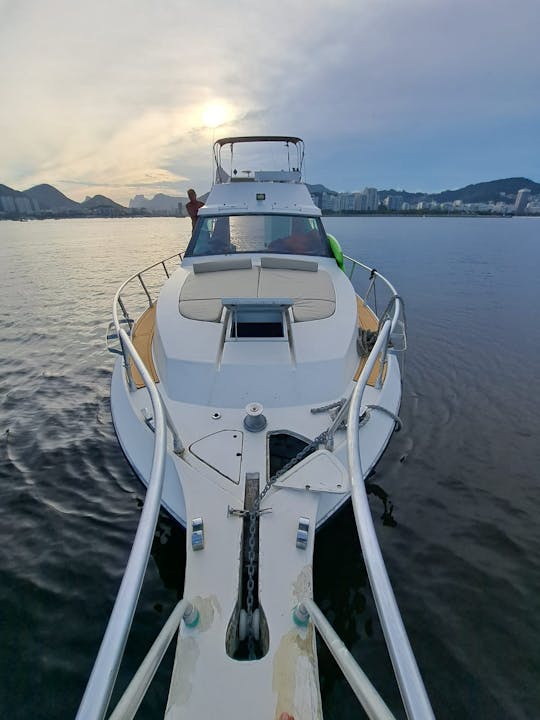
(287, 165)
(276, 188)
(259, 138)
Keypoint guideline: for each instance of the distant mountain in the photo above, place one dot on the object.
(160, 202)
(495, 190)
(16, 202)
(49, 198)
(100, 201)
(410, 197)
(7, 191)
(319, 189)
(504, 190)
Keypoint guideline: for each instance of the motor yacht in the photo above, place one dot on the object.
(253, 396)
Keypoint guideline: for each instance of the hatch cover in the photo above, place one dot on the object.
(222, 451)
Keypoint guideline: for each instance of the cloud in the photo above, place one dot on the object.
(114, 93)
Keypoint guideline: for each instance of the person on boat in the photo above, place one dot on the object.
(193, 206)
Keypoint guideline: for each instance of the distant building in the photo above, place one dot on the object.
(330, 202)
(372, 199)
(346, 202)
(159, 204)
(360, 202)
(521, 201)
(533, 208)
(393, 202)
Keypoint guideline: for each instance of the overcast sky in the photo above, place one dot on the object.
(117, 96)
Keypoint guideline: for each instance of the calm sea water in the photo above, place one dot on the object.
(461, 534)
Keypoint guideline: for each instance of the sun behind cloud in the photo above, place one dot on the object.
(215, 114)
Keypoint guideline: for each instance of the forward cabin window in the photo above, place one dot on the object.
(289, 234)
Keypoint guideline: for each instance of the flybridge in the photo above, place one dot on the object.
(276, 196)
(286, 153)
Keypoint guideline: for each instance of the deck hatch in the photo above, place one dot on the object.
(257, 318)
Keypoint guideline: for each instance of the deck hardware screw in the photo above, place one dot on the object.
(300, 615)
(191, 616)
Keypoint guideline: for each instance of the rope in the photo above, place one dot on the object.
(394, 417)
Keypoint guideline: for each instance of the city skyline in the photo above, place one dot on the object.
(126, 99)
(500, 197)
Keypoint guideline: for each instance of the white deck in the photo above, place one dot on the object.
(316, 366)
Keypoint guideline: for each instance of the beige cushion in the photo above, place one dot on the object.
(313, 293)
(281, 263)
(218, 265)
(304, 310)
(200, 296)
(208, 310)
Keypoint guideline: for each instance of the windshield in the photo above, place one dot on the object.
(289, 234)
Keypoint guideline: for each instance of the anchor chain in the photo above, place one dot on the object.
(252, 531)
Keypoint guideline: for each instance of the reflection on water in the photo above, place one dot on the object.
(457, 521)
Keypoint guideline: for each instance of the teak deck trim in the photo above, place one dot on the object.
(143, 333)
(368, 321)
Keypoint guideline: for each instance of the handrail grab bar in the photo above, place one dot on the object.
(398, 309)
(411, 686)
(178, 445)
(99, 688)
(342, 412)
(141, 272)
(369, 698)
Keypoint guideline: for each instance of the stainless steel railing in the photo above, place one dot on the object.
(369, 698)
(103, 676)
(394, 302)
(411, 686)
(100, 685)
(119, 303)
(134, 693)
(391, 337)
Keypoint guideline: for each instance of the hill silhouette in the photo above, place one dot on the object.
(494, 190)
(49, 198)
(100, 201)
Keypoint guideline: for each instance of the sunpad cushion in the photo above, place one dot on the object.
(312, 292)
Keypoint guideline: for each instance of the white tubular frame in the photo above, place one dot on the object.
(100, 685)
(411, 686)
(369, 698)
